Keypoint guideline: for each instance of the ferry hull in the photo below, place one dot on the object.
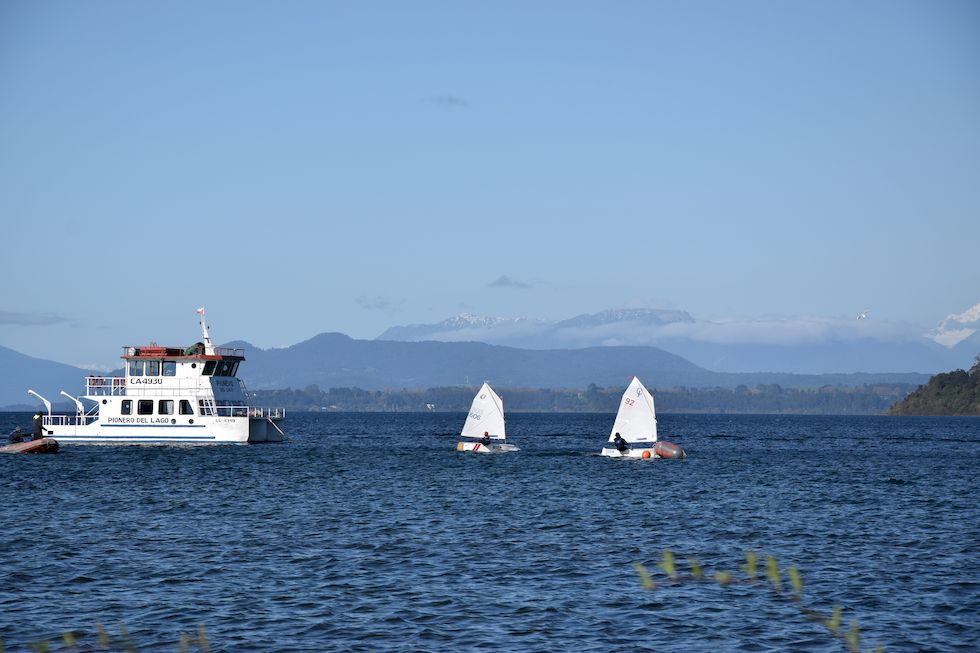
(227, 430)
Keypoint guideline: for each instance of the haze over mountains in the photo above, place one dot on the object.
(22, 372)
(804, 345)
(604, 348)
(334, 360)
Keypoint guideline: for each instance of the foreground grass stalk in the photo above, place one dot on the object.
(851, 639)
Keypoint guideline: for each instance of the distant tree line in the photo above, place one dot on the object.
(951, 393)
(771, 398)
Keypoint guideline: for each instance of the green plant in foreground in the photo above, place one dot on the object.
(645, 579)
(851, 639)
(103, 642)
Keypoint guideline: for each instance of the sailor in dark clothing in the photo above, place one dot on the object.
(17, 436)
(38, 427)
(485, 440)
(621, 444)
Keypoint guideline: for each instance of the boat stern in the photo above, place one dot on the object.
(263, 425)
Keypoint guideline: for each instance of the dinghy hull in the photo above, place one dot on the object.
(44, 445)
(661, 449)
(472, 447)
(477, 447)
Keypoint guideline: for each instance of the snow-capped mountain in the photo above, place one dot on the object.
(652, 316)
(465, 327)
(957, 328)
(802, 344)
(588, 330)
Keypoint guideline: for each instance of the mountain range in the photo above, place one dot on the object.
(666, 348)
(806, 345)
(22, 372)
(336, 360)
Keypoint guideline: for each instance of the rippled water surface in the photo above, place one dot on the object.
(368, 532)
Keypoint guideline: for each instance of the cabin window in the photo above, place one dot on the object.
(234, 369)
(170, 368)
(165, 407)
(144, 407)
(224, 369)
(186, 408)
(205, 406)
(152, 368)
(208, 368)
(136, 368)
(127, 407)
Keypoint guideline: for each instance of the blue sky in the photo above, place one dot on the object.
(303, 167)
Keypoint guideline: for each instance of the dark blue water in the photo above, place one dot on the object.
(368, 532)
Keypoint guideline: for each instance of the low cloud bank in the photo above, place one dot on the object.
(957, 328)
(31, 319)
(763, 331)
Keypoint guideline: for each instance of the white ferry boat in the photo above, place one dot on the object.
(169, 395)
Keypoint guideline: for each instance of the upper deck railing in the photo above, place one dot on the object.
(271, 413)
(68, 420)
(105, 385)
(194, 351)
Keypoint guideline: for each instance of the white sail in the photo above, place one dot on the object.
(486, 416)
(636, 420)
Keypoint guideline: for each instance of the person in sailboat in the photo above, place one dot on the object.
(621, 444)
(485, 440)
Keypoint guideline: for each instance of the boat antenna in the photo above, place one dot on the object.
(208, 347)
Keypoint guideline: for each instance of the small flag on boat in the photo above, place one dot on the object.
(200, 311)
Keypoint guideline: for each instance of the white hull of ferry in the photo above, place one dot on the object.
(218, 430)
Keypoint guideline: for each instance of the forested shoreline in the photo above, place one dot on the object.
(827, 400)
(950, 393)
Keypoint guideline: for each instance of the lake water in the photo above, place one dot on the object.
(368, 532)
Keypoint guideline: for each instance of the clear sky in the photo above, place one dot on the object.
(300, 167)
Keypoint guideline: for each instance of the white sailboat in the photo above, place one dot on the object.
(636, 424)
(484, 427)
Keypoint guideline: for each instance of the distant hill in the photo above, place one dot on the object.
(333, 360)
(22, 372)
(336, 360)
(951, 393)
(807, 345)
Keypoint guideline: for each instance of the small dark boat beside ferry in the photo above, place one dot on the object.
(41, 445)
